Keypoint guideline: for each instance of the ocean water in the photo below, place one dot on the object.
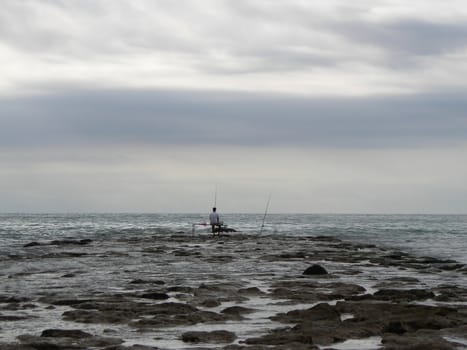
(131, 246)
(443, 236)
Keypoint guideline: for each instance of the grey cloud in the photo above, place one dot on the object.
(88, 29)
(257, 37)
(408, 36)
(156, 117)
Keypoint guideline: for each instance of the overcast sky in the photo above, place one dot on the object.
(149, 105)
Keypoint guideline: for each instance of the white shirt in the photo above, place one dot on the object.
(214, 218)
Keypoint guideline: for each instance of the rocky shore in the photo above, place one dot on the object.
(230, 292)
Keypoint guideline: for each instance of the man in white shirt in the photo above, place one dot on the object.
(215, 221)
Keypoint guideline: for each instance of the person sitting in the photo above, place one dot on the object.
(215, 221)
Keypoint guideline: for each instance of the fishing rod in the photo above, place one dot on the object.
(215, 198)
(265, 213)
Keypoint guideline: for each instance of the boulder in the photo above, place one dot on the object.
(315, 270)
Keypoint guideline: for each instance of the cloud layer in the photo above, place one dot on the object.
(167, 117)
(295, 46)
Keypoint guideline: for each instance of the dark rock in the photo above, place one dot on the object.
(67, 343)
(281, 336)
(15, 346)
(69, 275)
(251, 291)
(288, 346)
(180, 289)
(416, 341)
(68, 302)
(8, 318)
(178, 319)
(68, 333)
(320, 312)
(32, 244)
(141, 281)
(133, 347)
(237, 310)
(70, 242)
(315, 270)
(395, 327)
(403, 294)
(451, 267)
(209, 337)
(155, 296)
(376, 318)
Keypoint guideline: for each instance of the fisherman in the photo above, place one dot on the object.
(215, 221)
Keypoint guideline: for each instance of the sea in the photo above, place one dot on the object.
(441, 236)
(132, 246)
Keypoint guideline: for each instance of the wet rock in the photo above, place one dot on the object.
(340, 290)
(451, 267)
(133, 347)
(315, 270)
(251, 291)
(173, 308)
(210, 303)
(403, 295)
(397, 282)
(90, 316)
(8, 318)
(320, 312)
(220, 336)
(420, 341)
(237, 310)
(180, 289)
(66, 343)
(67, 333)
(65, 302)
(395, 327)
(224, 292)
(15, 346)
(141, 281)
(155, 296)
(289, 346)
(300, 255)
(322, 323)
(31, 244)
(8, 299)
(307, 291)
(281, 336)
(380, 317)
(450, 293)
(71, 242)
(173, 320)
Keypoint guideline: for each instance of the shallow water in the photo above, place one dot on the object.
(432, 235)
